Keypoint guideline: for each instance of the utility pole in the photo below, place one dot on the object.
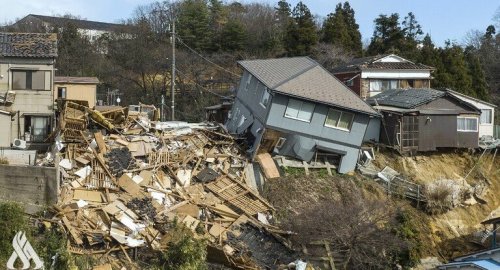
(172, 83)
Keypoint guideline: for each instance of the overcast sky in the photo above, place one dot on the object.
(443, 19)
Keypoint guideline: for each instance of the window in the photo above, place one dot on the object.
(29, 80)
(339, 119)
(61, 92)
(36, 128)
(299, 110)
(381, 85)
(264, 99)
(466, 124)
(486, 116)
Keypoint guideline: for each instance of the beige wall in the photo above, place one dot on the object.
(78, 91)
(27, 102)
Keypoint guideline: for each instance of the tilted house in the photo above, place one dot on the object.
(294, 107)
(26, 86)
(372, 75)
(426, 119)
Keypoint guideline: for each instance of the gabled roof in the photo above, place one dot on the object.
(377, 63)
(458, 94)
(77, 80)
(82, 24)
(304, 78)
(33, 45)
(406, 98)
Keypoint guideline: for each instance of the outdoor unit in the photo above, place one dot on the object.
(19, 144)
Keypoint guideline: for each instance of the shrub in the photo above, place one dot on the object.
(12, 220)
(184, 252)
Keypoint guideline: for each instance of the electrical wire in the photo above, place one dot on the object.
(205, 89)
(206, 59)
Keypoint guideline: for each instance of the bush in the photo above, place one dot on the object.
(442, 195)
(12, 220)
(184, 252)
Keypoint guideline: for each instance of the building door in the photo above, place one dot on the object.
(36, 128)
(409, 133)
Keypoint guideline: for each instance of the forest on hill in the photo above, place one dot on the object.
(212, 35)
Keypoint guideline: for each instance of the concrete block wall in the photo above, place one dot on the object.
(32, 186)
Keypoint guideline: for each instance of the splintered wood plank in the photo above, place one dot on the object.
(268, 166)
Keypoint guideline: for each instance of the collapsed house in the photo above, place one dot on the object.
(426, 119)
(124, 178)
(294, 107)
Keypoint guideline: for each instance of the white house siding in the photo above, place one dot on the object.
(484, 129)
(396, 74)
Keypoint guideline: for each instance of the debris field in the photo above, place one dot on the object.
(126, 176)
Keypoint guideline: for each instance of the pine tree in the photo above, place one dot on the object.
(355, 44)
(387, 36)
(301, 33)
(194, 20)
(340, 29)
(479, 85)
(335, 30)
(234, 36)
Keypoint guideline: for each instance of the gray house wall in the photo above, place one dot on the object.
(302, 138)
(308, 136)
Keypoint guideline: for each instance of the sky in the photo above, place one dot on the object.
(442, 19)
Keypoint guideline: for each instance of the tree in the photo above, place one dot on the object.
(76, 56)
(478, 80)
(340, 29)
(301, 33)
(388, 35)
(193, 24)
(234, 36)
(411, 28)
(335, 30)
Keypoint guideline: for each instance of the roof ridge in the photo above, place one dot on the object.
(299, 73)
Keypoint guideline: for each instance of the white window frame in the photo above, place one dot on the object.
(491, 117)
(382, 81)
(281, 141)
(468, 117)
(340, 117)
(302, 105)
(264, 94)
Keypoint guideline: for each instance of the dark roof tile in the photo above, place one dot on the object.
(33, 45)
(406, 98)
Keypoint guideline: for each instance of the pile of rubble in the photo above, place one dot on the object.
(125, 177)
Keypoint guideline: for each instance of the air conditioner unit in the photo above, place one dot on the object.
(19, 144)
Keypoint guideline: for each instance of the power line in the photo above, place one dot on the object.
(206, 59)
(203, 88)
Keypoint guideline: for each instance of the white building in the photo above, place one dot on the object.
(487, 120)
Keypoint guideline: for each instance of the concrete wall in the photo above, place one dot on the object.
(85, 92)
(32, 186)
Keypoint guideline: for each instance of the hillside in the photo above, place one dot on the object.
(419, 234)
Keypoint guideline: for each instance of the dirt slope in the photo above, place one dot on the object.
(452, 232)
